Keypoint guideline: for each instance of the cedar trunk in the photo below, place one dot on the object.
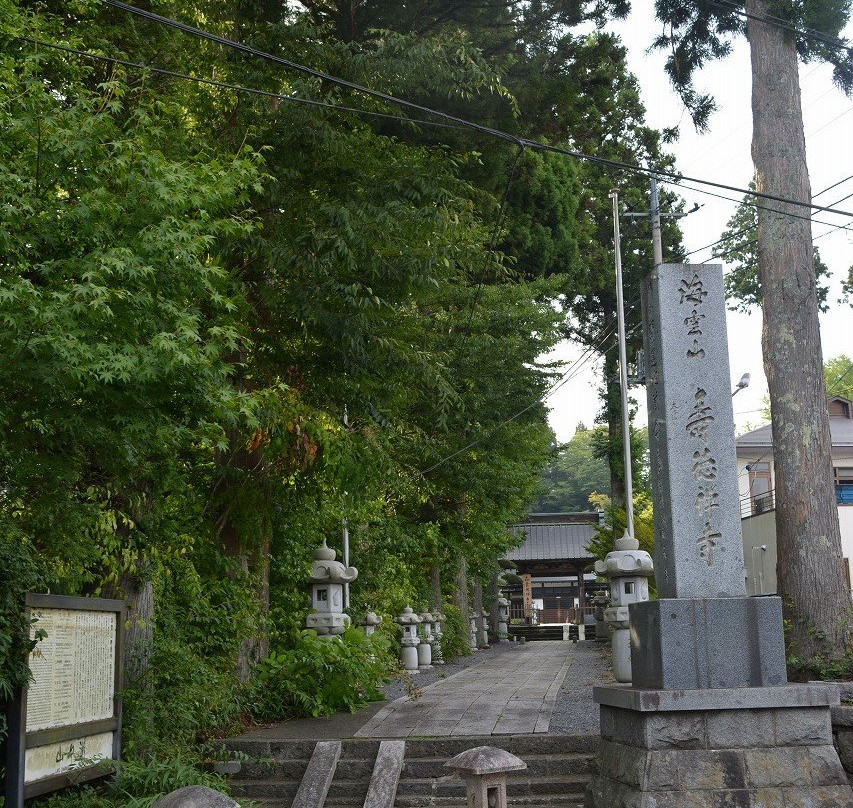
(460, 591)
(809, 569)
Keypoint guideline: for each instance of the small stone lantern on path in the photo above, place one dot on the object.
(327, 593)
(628, 568)
(408, 622)
(484, 769)
(370, 622)
(425, 646)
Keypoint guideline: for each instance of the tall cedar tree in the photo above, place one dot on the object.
(816, 601)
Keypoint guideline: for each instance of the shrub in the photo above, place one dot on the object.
(316, 677)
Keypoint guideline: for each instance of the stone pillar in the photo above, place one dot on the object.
(425, 646)
(327, 593)
(409, 642)
(473, 632)
(709, 718)
(628, 568)
(437, 653)
(602, 629)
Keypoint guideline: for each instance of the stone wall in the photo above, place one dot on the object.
(842, 736)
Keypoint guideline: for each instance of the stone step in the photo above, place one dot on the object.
(537, 765)
(517, 786)
(539, 801)
(349, 769)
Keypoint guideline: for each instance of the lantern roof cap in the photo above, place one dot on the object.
(325, 553)
(485, 760)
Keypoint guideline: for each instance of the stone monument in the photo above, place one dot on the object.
(437, 653)
(709, 719)
(473, 632)
(327, 593)
(602, 629)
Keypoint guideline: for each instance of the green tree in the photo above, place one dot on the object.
(697, 32)
(738, 247)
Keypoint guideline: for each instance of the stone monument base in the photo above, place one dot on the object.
(767, 747)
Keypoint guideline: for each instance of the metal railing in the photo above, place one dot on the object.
(756, 504)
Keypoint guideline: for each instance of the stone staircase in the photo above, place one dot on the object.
(558, 769)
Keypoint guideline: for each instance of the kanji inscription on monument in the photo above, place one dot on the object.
(699, 551)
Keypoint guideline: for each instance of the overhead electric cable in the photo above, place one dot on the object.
(242, 88)
(247, 49)
(778, 22)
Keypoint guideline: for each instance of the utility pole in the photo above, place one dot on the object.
(655, 215)
(623, 370)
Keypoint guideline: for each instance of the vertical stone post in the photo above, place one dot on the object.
(437, 653)
(473, 632)
(602, 629)
(709, 718)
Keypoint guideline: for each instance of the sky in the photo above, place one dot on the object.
(722, 154)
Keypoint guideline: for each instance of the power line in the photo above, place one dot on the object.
(573, 370)
(778, 22)
(241, 88)
(247, 49)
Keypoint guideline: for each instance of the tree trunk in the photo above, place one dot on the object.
(809, 569)
(435, 586)
(482, 632)
(138, 593)
(460, 594)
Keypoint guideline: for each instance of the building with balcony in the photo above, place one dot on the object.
(756, 477)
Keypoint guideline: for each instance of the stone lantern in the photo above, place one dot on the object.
(484, 769)
(484, 627)
(370, 622)
(408, 622)
(437, 653)
(503, 618)
(427, 639)
(327, 593)
(629, 569)
(602, 630)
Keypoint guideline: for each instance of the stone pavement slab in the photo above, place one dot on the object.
(508, 694)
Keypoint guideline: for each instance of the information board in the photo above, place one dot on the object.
(65, 727)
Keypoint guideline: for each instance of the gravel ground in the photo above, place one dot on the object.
(403, 685)
(575, 713)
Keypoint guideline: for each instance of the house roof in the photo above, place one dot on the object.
(840, 430)
(556, 540)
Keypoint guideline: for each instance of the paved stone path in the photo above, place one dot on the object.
(509, 694)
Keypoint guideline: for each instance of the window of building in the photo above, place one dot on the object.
(760, 488)
(844, 485)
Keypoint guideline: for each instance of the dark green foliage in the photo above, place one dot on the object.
(315, 676)
(738, 249)
(455, 634)
(698, 32)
